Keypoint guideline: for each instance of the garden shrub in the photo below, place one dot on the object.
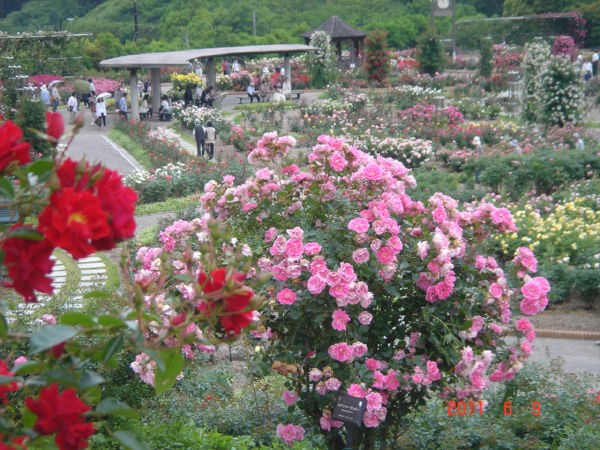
(31, 117)
(535, 63)
(430, 54)
(561, 93)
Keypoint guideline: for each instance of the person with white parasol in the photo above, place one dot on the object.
(54, 95)
(101, 109)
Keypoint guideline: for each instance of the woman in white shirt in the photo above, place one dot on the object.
(101, 112)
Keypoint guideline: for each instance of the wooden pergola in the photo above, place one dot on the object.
(340, 31)
(155, 61)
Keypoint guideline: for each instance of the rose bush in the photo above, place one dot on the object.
(373, 293)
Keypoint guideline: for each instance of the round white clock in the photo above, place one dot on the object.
(443, 4)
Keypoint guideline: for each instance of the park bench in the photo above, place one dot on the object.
(243, 98)
(295, 95)
(7, 215)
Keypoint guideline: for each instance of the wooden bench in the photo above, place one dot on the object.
(241, 98)
(295, 95)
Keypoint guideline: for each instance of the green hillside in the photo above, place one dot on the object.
(176, 24)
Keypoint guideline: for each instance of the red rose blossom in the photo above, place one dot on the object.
(233, 302)
(28, 263)
(73, 220)
(12, 149)
(55, 126)
(61, 414)
(7, 388)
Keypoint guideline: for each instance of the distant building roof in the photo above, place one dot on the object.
(183, 57)
(337, 28)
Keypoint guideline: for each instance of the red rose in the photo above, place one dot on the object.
(73, 220)
(73, 174)
(55, 126)
(28, 262)
(118, 201)
(61, 414)
(11, 150)
(233, 302)
(7, 388)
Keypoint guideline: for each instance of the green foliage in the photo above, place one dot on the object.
(485, 57)
(377, 57)
(31, 117)
(430, 55)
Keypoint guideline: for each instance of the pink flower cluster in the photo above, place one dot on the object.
(271, 146)
(290, 433)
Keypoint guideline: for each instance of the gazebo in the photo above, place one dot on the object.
(154, 62)
(340, 31)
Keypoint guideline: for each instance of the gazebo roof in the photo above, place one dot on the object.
(182, 57)
(337, 29)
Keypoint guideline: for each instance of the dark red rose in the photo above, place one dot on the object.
(12, 149)
(73, 221)
(55, 126)
(28, 263)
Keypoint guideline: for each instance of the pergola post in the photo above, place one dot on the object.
(288, 69)
(133, 92)
(156, 94)
(211, 74)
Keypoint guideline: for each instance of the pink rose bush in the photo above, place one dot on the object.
(373, 293)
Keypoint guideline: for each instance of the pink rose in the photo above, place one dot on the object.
(531, 290)
(374, 401)
(356, 390)
(372, 364)
(496, 290)
(359, 349)
(386, 255)
(289, 397)
(372, 171)
(359, 225)
(346, 272)
(286, 297)
(360, 256)
(315, 284)
(365, 318)
(294, 248)
(341, 352)
(270, 234)
(312, 248)
(337, 161)
(340, 319)
(432, 371)
(530, 306)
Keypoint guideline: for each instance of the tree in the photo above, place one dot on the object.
(485, 57)
(535, 64)
(377, 57)
(561, 93)
(321, 61)
(430, 55)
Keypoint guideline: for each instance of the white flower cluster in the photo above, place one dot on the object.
(411, 152)
(168, 172)
(165, 135)
(561, 93)
(417, 92)
(188, 116)
(535, 65)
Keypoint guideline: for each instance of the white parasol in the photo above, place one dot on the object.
(104, 95)
(53, 82)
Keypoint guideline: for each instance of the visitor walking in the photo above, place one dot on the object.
(92, 102)
(101, 113)
(72, 107)
(210, 137)
(123, 106)
(55, 96)
(478, 154)
(200, 136)
(144, 107)
(45, 96)
(579, 144)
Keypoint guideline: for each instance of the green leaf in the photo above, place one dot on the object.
(25, 233)
(7, 190)
(77, 318)
(47, 337)
(28, 368)
(130, 441)
(167, 372)
(110, 321)
(112, 347)
(42, 169)
(114, 407)
(89, 379)
(97, 294)
(3, 326)
(5, 380)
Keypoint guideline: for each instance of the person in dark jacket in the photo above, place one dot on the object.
(200, 135)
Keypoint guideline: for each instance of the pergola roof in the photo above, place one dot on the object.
(183, 57)
(337, 29)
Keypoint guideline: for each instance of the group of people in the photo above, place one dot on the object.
(205, 139)
(588, 66)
